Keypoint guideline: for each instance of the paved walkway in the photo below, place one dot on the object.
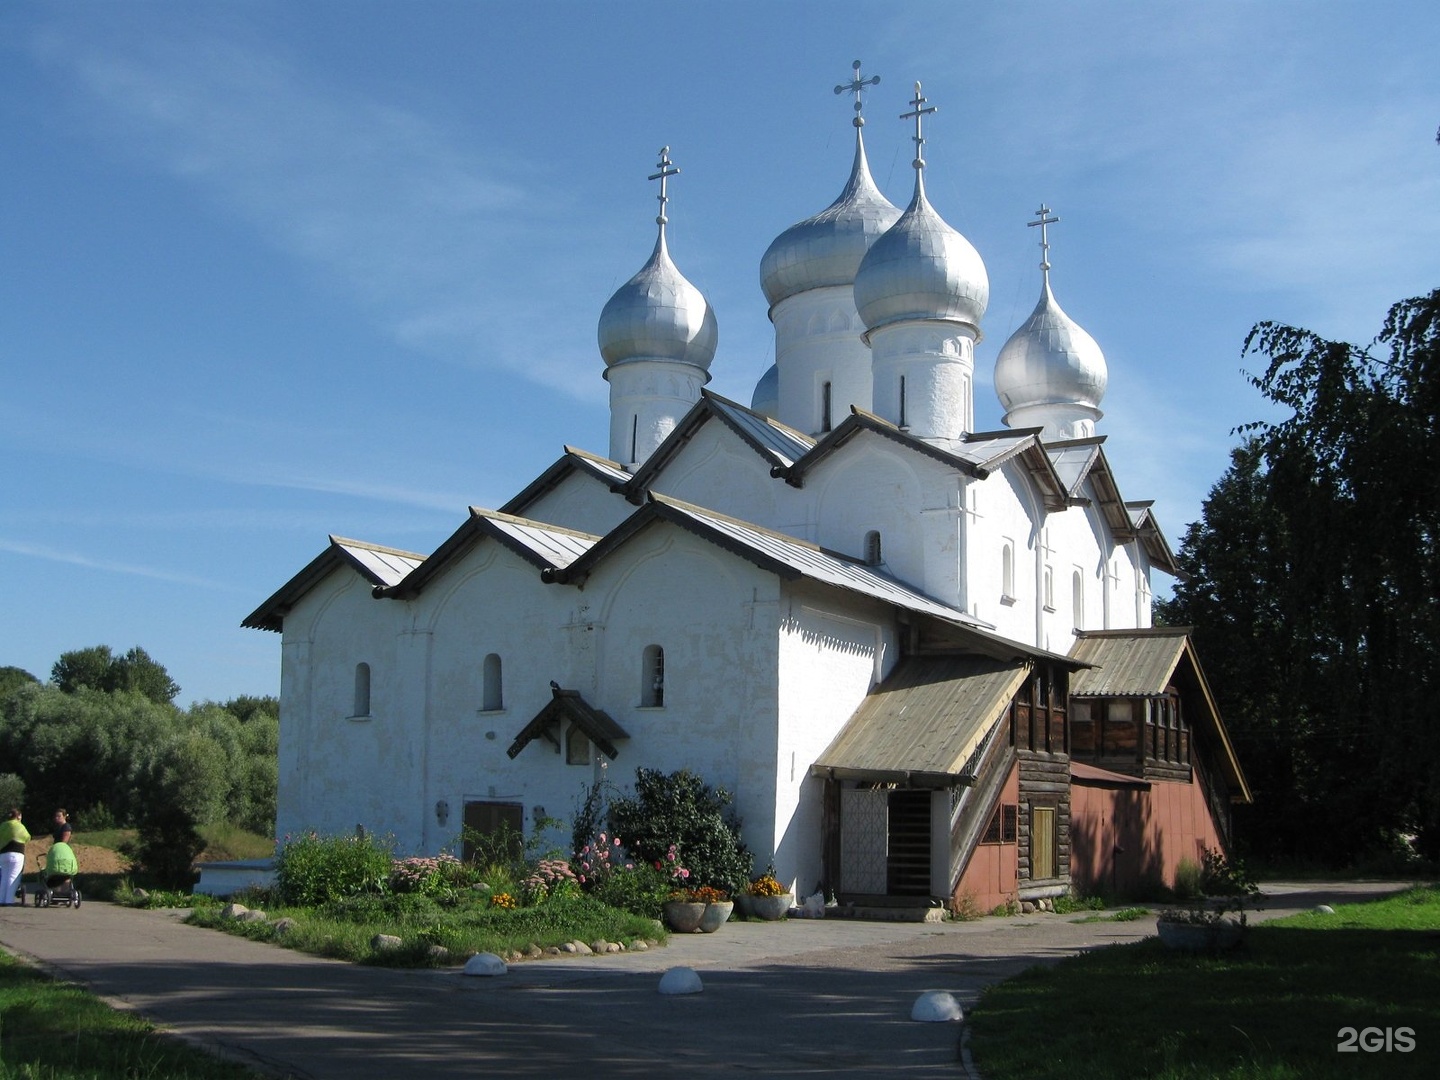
(797, 998)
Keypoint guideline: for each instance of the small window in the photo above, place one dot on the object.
(873, 553)
(362, 690)
(493, 699)
(825, 407)
(652, 686)
(1049, 589)
(577, 746)
(1001, 829)
(902, 402)
(1077, 599)
(1007, 571)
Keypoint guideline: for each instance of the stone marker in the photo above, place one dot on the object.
(485, 963)
(680, 980)
(1324, 909)
(936, 1005)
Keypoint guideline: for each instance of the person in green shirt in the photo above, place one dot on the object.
(13, 838)
(60, 864)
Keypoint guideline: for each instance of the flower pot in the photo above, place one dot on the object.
(682, 916)
(716, 916)
(1199, 937)
(772, 908)
(746, 903)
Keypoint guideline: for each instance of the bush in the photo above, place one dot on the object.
(681, 809)
(314, 869)
(640, 891)
(1187, 880)
(12, 791)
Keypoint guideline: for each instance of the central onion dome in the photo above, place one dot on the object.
(766, 399)
(658, 315)
(1050, 360)
(921, 269)
(826, 249)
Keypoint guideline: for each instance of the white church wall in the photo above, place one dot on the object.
(871, 487)
(831, 653)
(715, 617)
(1005, 517)
(340, 764)
(580, 501)
(817, 341)
(1076, 539)
(717, 470)
(493, 603)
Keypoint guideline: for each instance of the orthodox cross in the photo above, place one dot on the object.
(855, 86)
(1044, 218)
(917, 114)
(667, 170)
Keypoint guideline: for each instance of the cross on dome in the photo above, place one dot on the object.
(856, 86)
(917, 114)
(667, 170)
(1044, 218)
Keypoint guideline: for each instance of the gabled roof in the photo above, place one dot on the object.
(607, 472)
(568, 705)
(780, 446)
(923, 724)
(1142, 663)
(548, 547)
(978, 454)
(773, 551)
(380, 566)
(1078, 460)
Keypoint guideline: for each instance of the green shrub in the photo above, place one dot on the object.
(640, 891)
(1066, 905)
(1187, 880)
(681, 809)
(312, 869)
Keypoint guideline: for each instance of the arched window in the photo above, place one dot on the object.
(652, 676)
(1049, 589)
(1077, 599)
(577, 746)
(873, 554)
(362, 690)
(494, 693)
(825, 407)
(1007, 571)
(903, 421)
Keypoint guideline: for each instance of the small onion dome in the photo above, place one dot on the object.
(827, 248)
(658, 315)
(921, 269)
(1050, 360)
(766, 399)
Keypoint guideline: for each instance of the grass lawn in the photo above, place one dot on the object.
(1273, 1009)
(57, 1031)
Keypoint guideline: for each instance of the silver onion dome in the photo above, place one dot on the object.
(1050, 360)
(658, 315)
(826, 249)
(921, 269)
(766, 399)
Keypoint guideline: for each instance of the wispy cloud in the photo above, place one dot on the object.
(413, 222)
(89, 562)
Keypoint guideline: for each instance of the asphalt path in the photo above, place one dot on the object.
(795, 999)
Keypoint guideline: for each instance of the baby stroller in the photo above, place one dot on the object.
(56, 890)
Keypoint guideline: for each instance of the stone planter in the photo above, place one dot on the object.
(746, 903)
(1199, 937)
(772, 908)
(716, 916)
(682, 916)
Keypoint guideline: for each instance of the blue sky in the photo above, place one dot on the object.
(272, 270)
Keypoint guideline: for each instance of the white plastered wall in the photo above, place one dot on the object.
(580, 501)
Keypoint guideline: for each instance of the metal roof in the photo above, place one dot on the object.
(784, 444)
(381, 566)
(569, 705)
(552, 545)
(573, 460)
(925, 721)
(809, 561)
(1135, 663)
(1073, 461)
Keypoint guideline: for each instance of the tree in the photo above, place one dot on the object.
(97, 668)
(1313, 588)
(12, 678)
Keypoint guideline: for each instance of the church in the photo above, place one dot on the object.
(920, 656)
